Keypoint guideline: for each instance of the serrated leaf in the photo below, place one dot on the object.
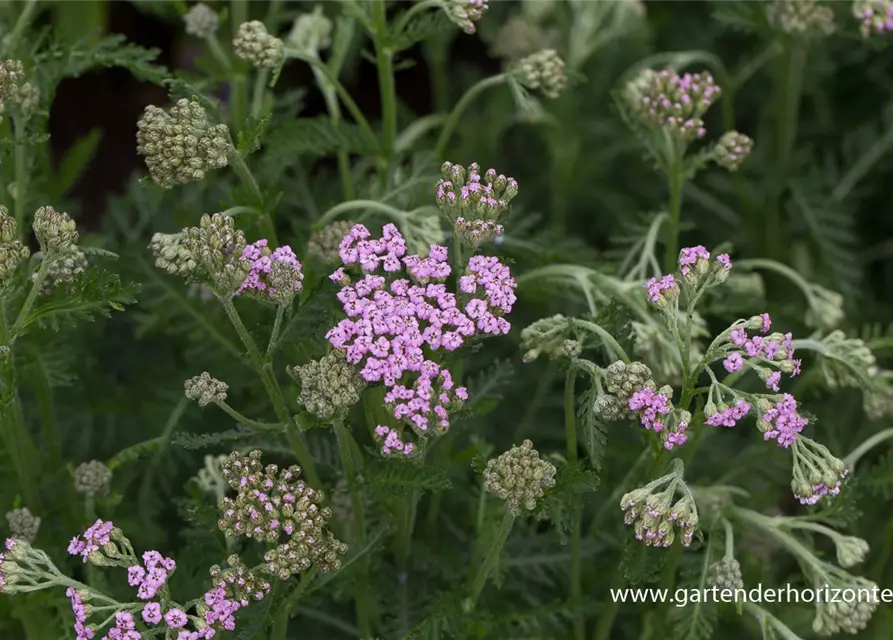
(250, 135)
(485, 390)
(595, 430)
(696, 621)
(422, 27)
(642, 564)
(315, 137)
(207, 440)
(114, 51)
(136, 451)
(402, 477)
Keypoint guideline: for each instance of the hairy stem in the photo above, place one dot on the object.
(238, 96)
(274, 334)
(384, 60)
(21, 172)
(456, 114)
(492, 557)
(359, 525)
(261, 78)
(570, 428)
(856, 454)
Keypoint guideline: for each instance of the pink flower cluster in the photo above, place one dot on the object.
(261, 262)
(222, 610)
(651, 406)
(677, 102)
(390, 324)
(391, 441)
(876, 16)
(689, 256)
(657, 286)
(82, 631)
(152, 577)
(124, 629)
(97, 536)
(783, 421)
(676, 437)
(768, 348)
(729, 416)
(821, 490)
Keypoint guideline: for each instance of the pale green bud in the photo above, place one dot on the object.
(205, 389)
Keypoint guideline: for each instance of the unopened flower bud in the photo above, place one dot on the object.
(519, 477)
(801, 17)
(572, 348)
(12, 252)
(171, 256)
(825, 309)
(22, 524)
(850, 550)
(464, 13)
(732, 149)
(324, 244)
(328, 385)
(92, 478)
(63, 269)
(726, 574)
(254, 43)
(311, 33)
(201, 21)
(876, 17)
(55, 230)
(543, 71)
(205, 389)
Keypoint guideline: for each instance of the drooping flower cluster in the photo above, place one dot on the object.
(519, 477)
(781, 422)
(775, 350)
(817, 472)
(474, 207)
(876, 16)
(543, 71)
(732, 149)
(464, 13)
(151, 576)
(81, 629)
(656, 413)
(328, 385)
(270, 505)
(275, 274)
(801, 17)
(389, 324)
(676, 103)
(13, 253)
(655, 517)
(254, 43)
(181, 146)
(726, 416)
(844, 616)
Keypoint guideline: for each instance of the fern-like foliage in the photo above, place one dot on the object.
(208, 440)
(315, 137)
(95, 293)
(595, 430)
(486, 390)
(391, 478)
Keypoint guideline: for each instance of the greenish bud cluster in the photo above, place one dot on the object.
(62, 269)
(847, 362)
(12, 75)
(92, 478)
(328, 386)
(546, 336)
(877, 399)
(325, 243)
(464, 13)
(622, 380)
(726, 574)
(520, 36)
(519, 477)
(181, 146)
(205, 389)
(543, 71)
(825, 309)
(474, 207)
(732, 149)
(817, 472)
(254, 43)
(13, 253)
(846, 617)
(850, 550)
(171, 256)
(311, 33)
(801, 17)
(216, 246)
(201, 21)
(272, 505)
(22, 524)
(55, 230)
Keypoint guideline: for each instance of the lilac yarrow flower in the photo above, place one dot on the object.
(95, 537)
(727, 416)
(781, 422)
(152, 613)
(876, 16)
(655, 516)
(665, 99)
(659, 289)
(152, 576)
(776, 350)
(81, 630)
(124, 629)
(817, 472)
(276, 274)
(656, 413)
(389, 324)
(473, 206)
(693, 257)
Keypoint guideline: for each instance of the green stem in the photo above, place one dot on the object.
(22, 318)
(274, 335)
(384, 60)
(238, 95)
(857, 453)
(268, 228)
(248, 422)
(21, 24)
(218, 53)
(607, 617)
(262, 76)
(21, 171)
(274, 392)
(675, 178)
(606, 337)
(570, 428)
(453, 120)
(359, 526)
(491, 558)
(418, 7)
(330, 95)
(280, 626)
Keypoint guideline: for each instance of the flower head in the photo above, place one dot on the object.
(23, 525)
(272, 274)
(473, 206)
(732, 149)
(655, 516)
(464, 13)
(801, 17)
(817, 472)
(876, 17)
(311, 32)
(328, 385)
(181, 145)
(13, 253)
(218, 248)
(672, 102)
(324, 244)
(205, 390)
(92, 478)
(201, 21)
(781, 422)
(542, 71)
(519, 477)
(254, 43)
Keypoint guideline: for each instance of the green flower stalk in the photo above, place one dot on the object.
(23, 525)
(182, 145)
(329, 386)
(92, 479)
(255, 44)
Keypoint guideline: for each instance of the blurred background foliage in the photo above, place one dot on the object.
(813, 195)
